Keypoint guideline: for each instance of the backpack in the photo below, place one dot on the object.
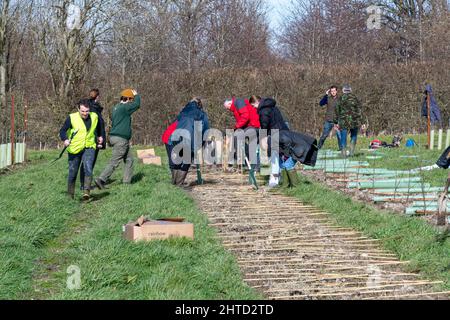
(375, 144)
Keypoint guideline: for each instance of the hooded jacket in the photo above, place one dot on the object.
(245, 114)
(191, 113)
(300, 147)
(270, 116)
(435, 112)
(95, 107)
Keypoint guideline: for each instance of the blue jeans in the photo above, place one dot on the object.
(353, 136)
(86, 157)
(288, 164)
(327, 127)
(82, 168)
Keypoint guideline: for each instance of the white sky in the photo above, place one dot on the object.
(276, 9)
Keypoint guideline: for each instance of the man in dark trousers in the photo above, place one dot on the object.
(81, 136)
(330, 99)
(349, 115)
(247, 119)
(120, 137)
(94, 106)
(193, 112)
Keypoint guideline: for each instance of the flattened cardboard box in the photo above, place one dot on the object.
(152, 160)
(146, 153)
(158, 230)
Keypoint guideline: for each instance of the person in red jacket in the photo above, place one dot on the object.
(245, 114)
(246, 117)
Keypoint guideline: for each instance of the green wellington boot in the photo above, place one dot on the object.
(87, 188)
(284, 178)
(294, 181)
(71, 190)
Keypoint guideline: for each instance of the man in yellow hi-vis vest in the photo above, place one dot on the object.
(81, 135)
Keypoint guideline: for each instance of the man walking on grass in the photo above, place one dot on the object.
(348, 111)
(120, 136)
(330, 100)
(82, 136)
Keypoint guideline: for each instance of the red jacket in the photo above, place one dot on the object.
(170, 129)
(245, 114)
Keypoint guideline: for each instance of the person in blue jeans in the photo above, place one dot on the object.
(349, 115)
(353, 137)
(330, 99)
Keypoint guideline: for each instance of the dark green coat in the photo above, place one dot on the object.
(348, 111)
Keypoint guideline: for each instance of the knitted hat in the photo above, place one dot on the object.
(127, 93)
(347, 89)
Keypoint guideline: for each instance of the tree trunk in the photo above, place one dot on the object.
(3, 52)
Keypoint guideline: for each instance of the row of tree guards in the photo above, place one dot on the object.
(14, 151)
(384, 185)
(432, 139)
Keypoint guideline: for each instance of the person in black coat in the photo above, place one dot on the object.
(270, 116)
(293, 146)
(193, 112)
(94, 106)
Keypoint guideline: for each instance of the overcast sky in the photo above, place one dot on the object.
(276, 9)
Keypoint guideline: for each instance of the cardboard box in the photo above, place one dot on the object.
(152, 160)
(146, 153)
(147, 230)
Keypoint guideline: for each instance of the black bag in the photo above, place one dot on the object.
(444, 160)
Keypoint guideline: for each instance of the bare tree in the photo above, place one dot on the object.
(238, 33)
(13, 25)
(68, 39)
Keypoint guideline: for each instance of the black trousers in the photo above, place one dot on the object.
(172, 165)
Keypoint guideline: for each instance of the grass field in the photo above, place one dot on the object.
(42, 233)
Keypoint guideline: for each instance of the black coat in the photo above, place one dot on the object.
(300, 147)
(95, 107)
(270, 116)
(444, 159)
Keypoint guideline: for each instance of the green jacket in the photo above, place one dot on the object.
(349, 111)
(121, 118)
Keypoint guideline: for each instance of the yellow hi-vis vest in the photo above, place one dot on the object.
(82, 139)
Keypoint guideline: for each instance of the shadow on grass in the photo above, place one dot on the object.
(98, 196)
(137, 178)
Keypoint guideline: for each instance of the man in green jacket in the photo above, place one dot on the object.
(120, 136)
(349, 116)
